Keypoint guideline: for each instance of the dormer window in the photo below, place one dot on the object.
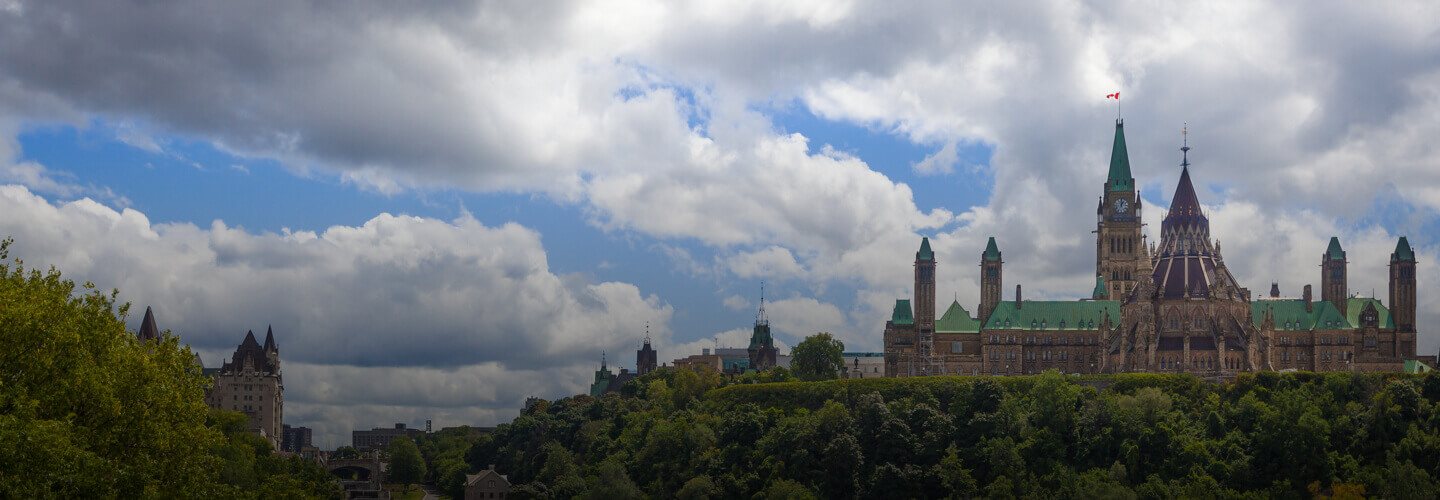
(1033, 323)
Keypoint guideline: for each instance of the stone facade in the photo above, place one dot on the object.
(250, 383)
(1171, 307)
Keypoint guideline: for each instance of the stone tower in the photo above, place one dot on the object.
(925, 306)
(1402, 286)
(991, 279)
(762, 345)
(925, 287)
(1332, 276)
(645, 358)
(1117, 234)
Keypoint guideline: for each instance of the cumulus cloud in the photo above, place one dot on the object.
(374, 301)
(652, 119)
(939, 162)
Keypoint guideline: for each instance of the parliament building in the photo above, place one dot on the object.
(1171, 308)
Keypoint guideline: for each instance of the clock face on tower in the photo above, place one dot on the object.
(1121, 205)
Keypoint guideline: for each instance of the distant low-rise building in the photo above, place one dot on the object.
(863, 365)
(380, 437)
(486, 485)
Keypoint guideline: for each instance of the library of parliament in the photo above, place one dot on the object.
(1171, 308)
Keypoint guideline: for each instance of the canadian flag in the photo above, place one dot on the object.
(1115, 96)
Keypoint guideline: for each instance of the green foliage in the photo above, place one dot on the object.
(817, 357)
(1050, 436)
(407, 467)
(87, 410)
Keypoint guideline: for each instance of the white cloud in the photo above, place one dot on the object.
(645, 116)
(352, 307)
(737, 303)
(939, 162)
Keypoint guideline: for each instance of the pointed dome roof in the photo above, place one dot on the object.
(1099, 287)
(1334, 252)
(991, 251)
(1119, 178)
(1185, 205)
(925, 253)
(148, 330)
(1402, 251)
(902, 314)
(270, 339)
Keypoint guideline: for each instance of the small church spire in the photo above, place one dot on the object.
(760, 317)
(1185, 145)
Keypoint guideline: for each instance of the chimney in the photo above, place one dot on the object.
(1309, 307)
(492, 466)
(1017, 296)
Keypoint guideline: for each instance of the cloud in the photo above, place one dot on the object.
(652, 119)
(737, 303)
(397, 295)
(939, 162)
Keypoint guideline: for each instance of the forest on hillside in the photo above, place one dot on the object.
(683, 434)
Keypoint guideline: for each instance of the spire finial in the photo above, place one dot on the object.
(647, 332)
(760, 317)
(602, 359)
(1185, 145)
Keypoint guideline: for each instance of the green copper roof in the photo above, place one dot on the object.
(1053, 315)
(1099, 287)
(1415, 366)
(761, 337)
(1334, 252)
(1290, 315)
(991, 251)
(1120, 178)
(957, 320)
(1403, 250)
(902, 315)
(925, 253)
(1357, 304)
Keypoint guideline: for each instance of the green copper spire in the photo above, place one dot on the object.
(991, 252)
(902, 315)
(925, 253)
(1402, 252)
(1120, 179)
(1334, 252)
(1099, 292)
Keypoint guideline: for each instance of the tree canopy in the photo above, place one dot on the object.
(87, 410)
(817, 357)
(672, 433)
(407, 467)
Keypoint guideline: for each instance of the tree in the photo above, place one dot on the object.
(87, 410)
(817, 357)
(406, 465)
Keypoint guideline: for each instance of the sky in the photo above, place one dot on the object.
(443, 208)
